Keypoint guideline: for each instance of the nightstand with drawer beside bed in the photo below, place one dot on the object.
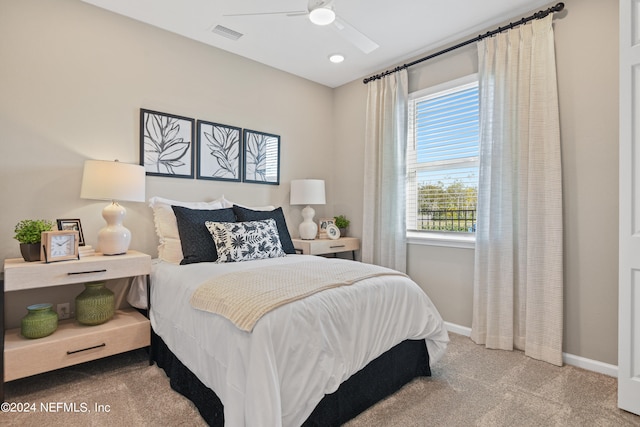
(327, 246)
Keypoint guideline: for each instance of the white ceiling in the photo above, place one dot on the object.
(401, 28)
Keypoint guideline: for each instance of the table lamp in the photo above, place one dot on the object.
(307, 192)
(106, 180)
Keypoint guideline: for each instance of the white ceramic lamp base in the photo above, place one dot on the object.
(308, 229)
(114, 239)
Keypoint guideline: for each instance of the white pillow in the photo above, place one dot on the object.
(229, 204)
(245, 241)
(170, 248)
(226, 203)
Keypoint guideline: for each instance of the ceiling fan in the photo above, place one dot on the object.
(321, 12)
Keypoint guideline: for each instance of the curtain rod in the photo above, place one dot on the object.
(538, 15)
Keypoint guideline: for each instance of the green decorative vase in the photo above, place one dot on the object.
(39, 322)
(95, 305)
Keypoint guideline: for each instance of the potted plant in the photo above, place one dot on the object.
(28, 232)
(342, 223)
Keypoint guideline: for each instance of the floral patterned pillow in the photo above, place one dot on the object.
(244, 241)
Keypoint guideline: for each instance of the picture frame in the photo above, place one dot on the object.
(333, 232)
(323, 223)
(219, 151)
(261, 157)
(166, 144)
(71, 225)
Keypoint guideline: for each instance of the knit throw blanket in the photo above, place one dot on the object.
(245, 296)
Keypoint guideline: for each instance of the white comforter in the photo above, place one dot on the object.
(296, 354)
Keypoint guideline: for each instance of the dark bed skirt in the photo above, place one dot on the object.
(379, 379)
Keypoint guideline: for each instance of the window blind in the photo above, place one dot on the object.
(442, 158)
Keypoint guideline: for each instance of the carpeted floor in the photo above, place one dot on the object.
(470, 386)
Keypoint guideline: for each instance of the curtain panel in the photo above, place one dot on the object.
(518, 281)
(384, 223)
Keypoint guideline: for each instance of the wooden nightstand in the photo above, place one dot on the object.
(327, 246)
(72, 343)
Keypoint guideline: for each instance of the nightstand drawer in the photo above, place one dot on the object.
(73, 343)
(28, 275)
(326, 246)
(332, 246)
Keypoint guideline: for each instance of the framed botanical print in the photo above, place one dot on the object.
(261, 157)
(166, 144)
(219, 148)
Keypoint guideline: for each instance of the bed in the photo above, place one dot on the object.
(319, 359)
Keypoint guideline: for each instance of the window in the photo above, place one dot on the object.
(442, 157)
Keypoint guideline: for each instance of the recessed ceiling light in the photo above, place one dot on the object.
(322, 16)
(336, 58)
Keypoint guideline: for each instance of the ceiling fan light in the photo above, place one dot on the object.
(322, 16)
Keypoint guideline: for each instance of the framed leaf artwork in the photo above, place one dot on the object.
(261, 157)
(166, 144)
(219, 148)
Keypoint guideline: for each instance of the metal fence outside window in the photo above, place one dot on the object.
(463, 220)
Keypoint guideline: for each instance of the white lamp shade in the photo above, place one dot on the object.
(307, 192)
(106, 180)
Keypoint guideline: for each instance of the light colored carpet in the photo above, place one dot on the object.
(470, 386)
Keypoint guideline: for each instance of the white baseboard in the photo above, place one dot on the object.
(590, 364)
(569, 359)
(457, 329)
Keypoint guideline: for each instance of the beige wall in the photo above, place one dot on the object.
(587, 61)
(73, 78)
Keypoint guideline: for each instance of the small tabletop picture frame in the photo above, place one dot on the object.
(73, 225)
(323, 223)
(333, 232)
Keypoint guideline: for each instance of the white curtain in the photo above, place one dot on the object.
(518, 282)
(384, 230)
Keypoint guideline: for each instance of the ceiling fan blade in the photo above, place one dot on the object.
(288, 13)
(355, 37)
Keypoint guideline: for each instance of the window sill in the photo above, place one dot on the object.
(434, 238)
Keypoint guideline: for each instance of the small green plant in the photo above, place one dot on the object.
(30, 230)
(341, 221)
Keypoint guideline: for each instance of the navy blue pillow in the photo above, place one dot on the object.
(196, 241)
(244, 214)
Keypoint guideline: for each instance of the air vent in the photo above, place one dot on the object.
(226, 32)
